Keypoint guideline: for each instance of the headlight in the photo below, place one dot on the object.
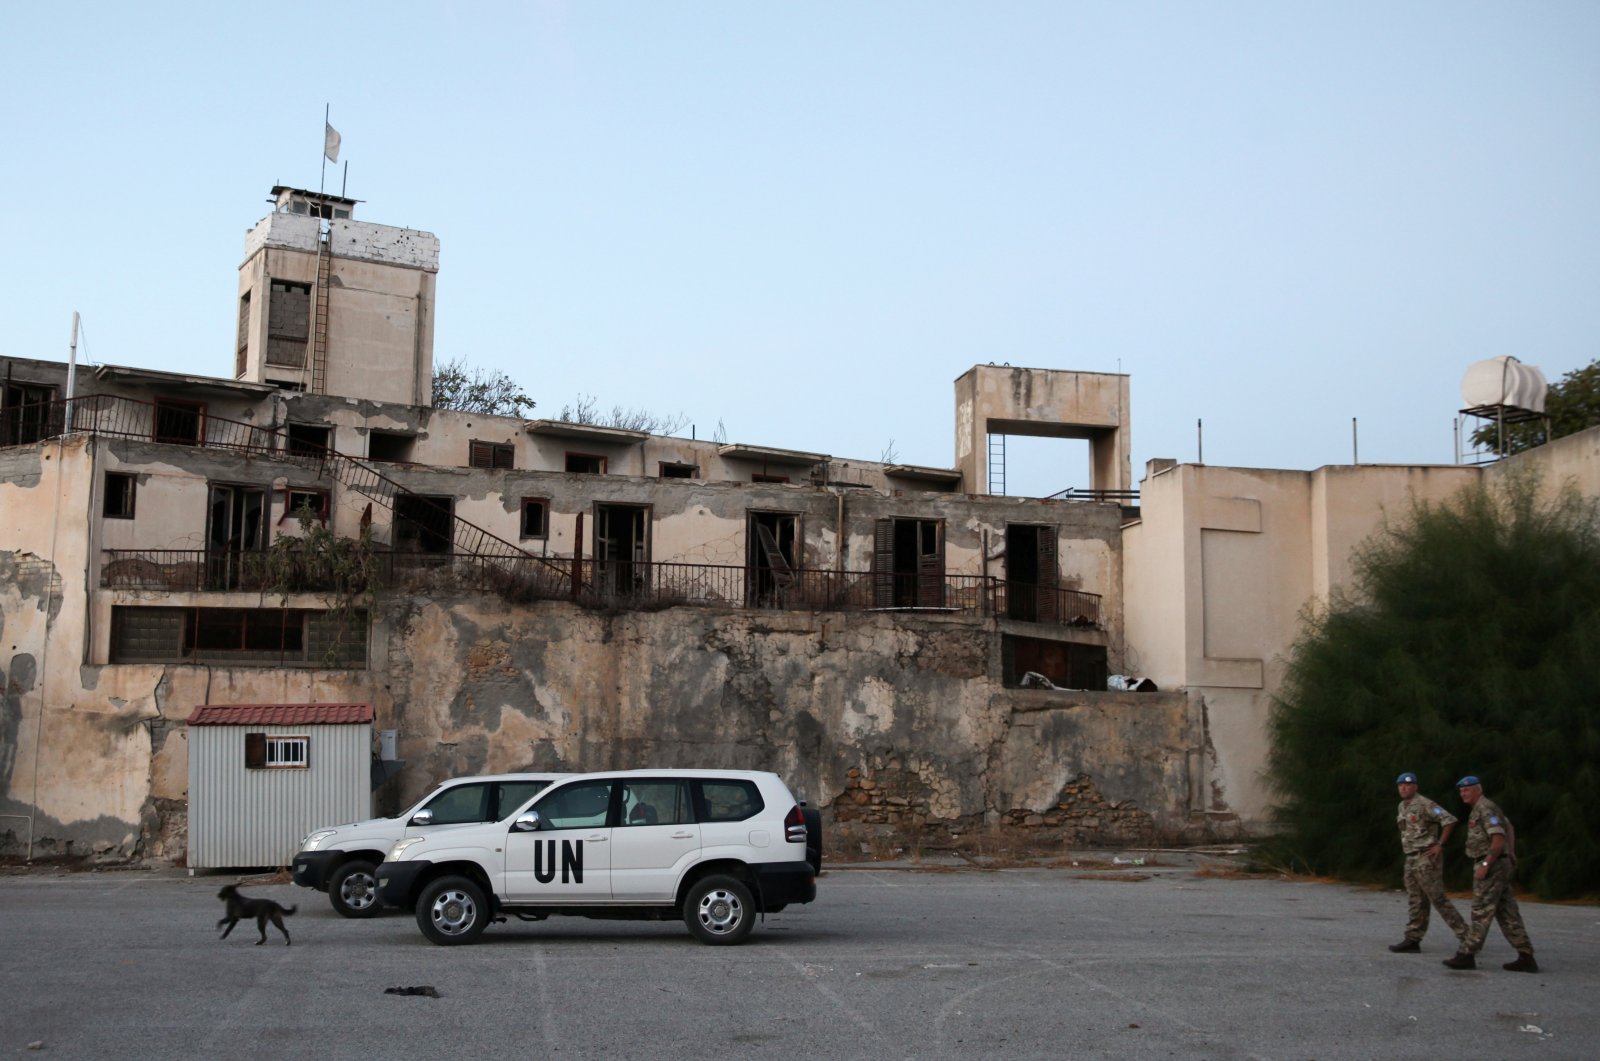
(401, 847)
(315, 840)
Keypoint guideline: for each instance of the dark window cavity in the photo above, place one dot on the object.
(119, 492)
(309, 440)
(535, 517)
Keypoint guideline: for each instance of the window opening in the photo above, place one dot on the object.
(674, 470)
(535, 517)
(495, 455)
(29, 414)
(244, 335)
(908, 563)
(178, 422)
(1031, 573)
(763, 477)
(119, 494)
(294, 500)
(235, 533)
(288, 323)
(621, 548)
(586, 463)
(260, 636)
(772, 557)
(423, 523)
(309, 440)
(266, 752)
(389, 447)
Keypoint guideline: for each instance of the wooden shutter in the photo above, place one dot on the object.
(1049, 577)
(930, 564)
(883, 564)
(255, 751)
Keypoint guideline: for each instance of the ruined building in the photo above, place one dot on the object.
(914, 653)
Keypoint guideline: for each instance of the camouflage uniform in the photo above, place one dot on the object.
(1491, 897)
(1421, 820)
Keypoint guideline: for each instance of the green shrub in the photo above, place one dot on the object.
(1469, 643)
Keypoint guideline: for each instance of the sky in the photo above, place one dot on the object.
(799, 223)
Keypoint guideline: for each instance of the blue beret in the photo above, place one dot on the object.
(1406, 779)
(1468, 781)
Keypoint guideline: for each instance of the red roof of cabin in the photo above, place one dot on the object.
(281, 715)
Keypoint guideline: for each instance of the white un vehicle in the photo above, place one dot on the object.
(717, 848)
(342, 860)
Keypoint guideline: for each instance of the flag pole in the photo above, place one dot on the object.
(321, 181)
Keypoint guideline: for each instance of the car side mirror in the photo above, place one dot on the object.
(528, 823)
(422, 817)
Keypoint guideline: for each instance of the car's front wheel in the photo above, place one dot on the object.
(353, 890)
(719, 910)
(452, 910)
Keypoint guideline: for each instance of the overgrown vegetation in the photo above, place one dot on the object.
(1572, 404)
(344, 572)
(1469, 643)
(586, 410)
(472, 389)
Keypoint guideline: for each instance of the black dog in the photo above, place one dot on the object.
(242, 908)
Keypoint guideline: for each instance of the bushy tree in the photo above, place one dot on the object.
(1572, 404)
(472, 389)
(1469, 643)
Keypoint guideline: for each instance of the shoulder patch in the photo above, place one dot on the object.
(1437, 811)
(1494, 819)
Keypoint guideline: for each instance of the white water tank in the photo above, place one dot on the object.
(1504, 381)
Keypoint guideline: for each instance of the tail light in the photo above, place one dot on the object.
(794, 826)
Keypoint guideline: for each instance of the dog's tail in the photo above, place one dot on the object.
(288, 909)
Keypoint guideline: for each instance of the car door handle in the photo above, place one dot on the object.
(598, 838)
(683, 836)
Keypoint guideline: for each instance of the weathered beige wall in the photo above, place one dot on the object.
(992, 399)
(1218, 573)
(1574, 461)
(812, 696)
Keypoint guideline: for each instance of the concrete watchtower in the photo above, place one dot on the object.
(332, 305)
(994, 400)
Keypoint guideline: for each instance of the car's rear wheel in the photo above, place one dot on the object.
(452, 910)
(719, 911)
(353, 889)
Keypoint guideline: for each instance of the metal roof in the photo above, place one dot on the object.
(281, 714)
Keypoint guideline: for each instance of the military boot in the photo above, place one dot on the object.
(1406, 946)
(1523, 964)
(1462, 960)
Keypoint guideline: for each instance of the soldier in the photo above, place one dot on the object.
(1424, 828)
(1492, 845)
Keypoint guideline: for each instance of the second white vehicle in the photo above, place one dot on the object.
(342, 859)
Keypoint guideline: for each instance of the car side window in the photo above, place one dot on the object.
(461, 804)
(655, 803)
(580, 805)
(729, 800)
(510, 795)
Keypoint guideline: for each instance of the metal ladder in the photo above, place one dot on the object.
(997, 465)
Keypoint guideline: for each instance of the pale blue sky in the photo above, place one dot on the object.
(805, 220)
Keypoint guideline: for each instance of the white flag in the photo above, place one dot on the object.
(330, 143)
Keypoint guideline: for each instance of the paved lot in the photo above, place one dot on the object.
(886, 964)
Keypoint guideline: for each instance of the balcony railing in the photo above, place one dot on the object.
(608, 584)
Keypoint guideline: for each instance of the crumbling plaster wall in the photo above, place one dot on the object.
(824, 700)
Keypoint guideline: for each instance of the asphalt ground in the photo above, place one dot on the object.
(887, 963)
